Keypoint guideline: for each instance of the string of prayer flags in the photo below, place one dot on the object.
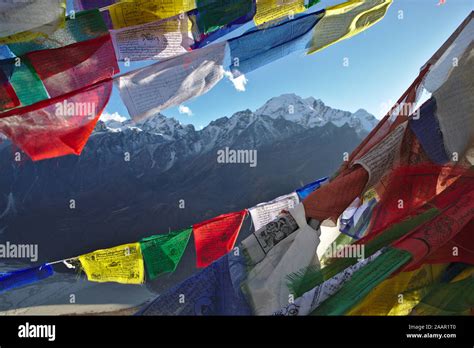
(121, 264)
(270, 10)
(259, 47)
(263, 213)
(156, 40)
(304, 191)
(216, 237)
(162, 253)
(73, 67)
(28, 19)
(149, 90)
(345, 20)
(135, 12)
(59, 126)
(19, 278)
(82, 26)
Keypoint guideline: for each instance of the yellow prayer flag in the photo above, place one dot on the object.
(400, 294)
(135, 12)
(345, 20)
(121, 264)
(269, 10)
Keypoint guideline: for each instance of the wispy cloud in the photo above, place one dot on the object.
(238, 82)
(185, 110)
(112, 117)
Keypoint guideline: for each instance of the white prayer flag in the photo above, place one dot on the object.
(263, 213)
(151, 89)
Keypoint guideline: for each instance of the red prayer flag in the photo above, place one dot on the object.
(58, 126)
(75, 66)
(216, 237)
(459, 249)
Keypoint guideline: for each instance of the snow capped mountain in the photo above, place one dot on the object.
(246, 128)
(311, 112)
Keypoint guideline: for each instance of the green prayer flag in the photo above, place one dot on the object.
(214, 15)
(27, 85)
(163, 252)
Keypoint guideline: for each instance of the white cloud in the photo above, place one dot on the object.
(238, 82)
(185, 110)
(112, 117)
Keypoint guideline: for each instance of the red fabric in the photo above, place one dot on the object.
(8, 98)
(75, 66)
(463, 243)
(216, 237)
(42, 131)
(409, 188)
(330, 200)
(457, 203)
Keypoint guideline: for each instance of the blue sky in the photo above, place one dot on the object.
(383, 61)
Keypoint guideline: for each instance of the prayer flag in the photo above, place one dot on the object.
(345, 20)
(266, 284)
(428, 133)
(304, 191)
(28, 87)
(16, 279)
(135, 12)
(211, 291)
(263, 213)
(121, 264)
(151, 89)
(58, 126)
(162, 253)
(216, 237)
(28, 19)
(216, 19)
(70, 68)
(259, 47)
(156, 40)
(270, 10)
(84, 26)
(8, 98)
